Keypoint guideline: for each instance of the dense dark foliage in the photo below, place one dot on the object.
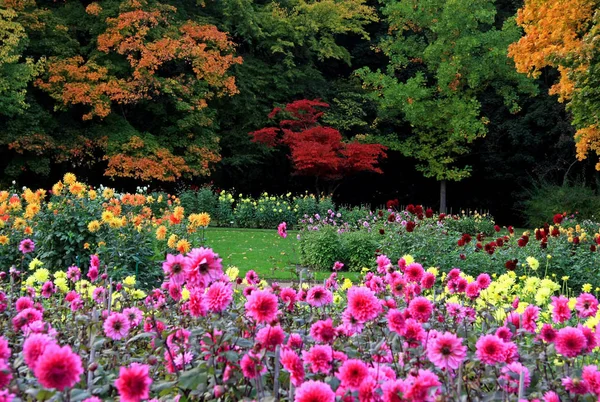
(140, 103)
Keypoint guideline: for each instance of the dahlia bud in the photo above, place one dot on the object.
(93, 367)
(218, 390)
(119, 287)
(152, 360)
(104, 276)
(2, 276)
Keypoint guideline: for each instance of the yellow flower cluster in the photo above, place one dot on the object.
(110, 213)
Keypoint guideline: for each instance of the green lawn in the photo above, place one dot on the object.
(262, 250)
(271, 256)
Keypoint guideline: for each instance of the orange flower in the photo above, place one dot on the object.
(178, 213)
(183, 246)
(76, 188)
(161, 232)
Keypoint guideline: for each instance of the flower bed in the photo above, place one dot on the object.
(266, 211)
(129, 232)
(565, 249)
(403, 334)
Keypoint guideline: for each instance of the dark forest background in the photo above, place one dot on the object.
(285, 58)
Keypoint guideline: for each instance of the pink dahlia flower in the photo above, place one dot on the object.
(352, 373)
(490, 349)
(218, 296)
(319, 296)
(362, 304)
(262, 306)
(570, 342)
(116, 326)
(58, 367)
(446, 351)
(314, 391)
(174, 267)
(201, 266)
(133, 383)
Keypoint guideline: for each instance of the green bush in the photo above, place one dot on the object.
(320, 249)
(188, 199)
(471, 224)
(202, 200)
(207, 201)
(60, 237)
(131, 252)
(545, 200)
(272, 210)
(224, 210)
(359, 249)
(245, 214)
(354, 214)
(325, 205)
(305, 206)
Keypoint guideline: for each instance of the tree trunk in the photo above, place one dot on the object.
(443, 196)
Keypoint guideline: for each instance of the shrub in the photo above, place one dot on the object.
(245, 216)
(354, 214)
(305, 205)
(545, 200)
(224, 209)
(320, 249)
(325, 205)
(62, 233)
(359, 249)
(272, 210)
(207, 201)
(471, 223)
(189, 199)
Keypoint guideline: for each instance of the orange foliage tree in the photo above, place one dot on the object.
(563, 34)
(141, 81)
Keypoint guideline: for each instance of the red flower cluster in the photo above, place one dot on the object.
(558, 218)
(465, 239)
(511, 265)
(522, 242)
(392, 204)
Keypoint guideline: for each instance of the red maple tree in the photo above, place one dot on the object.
(317, 150)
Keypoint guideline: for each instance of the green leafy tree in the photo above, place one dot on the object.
(15, 73)
(443, 55)
(298, 29)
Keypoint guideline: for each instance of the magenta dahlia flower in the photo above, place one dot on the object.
(446, 351)
(133, 383)
(26, 246)
(58, 367)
